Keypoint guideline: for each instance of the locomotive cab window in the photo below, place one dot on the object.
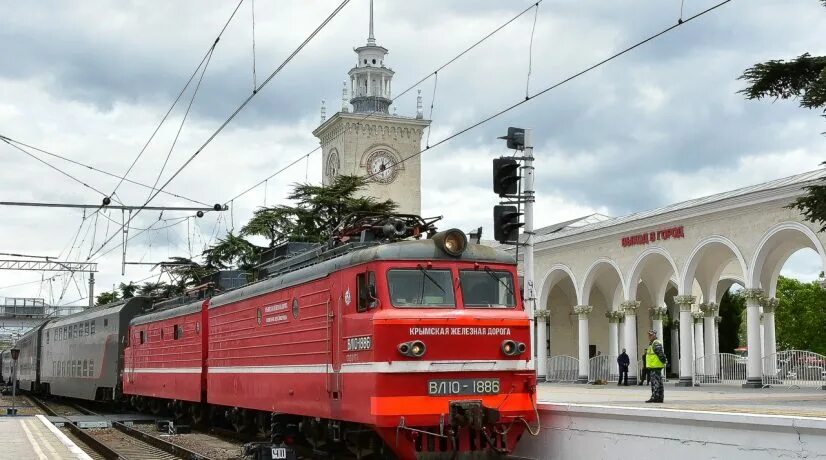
(487, 288)
(179, 331)
(421, 288)
(366, 291)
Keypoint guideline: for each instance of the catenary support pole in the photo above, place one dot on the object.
(529, 299)
(91, 289)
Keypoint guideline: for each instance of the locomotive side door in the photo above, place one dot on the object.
(334, 317)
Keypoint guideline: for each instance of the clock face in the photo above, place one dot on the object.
(332, 166)
(382, 167)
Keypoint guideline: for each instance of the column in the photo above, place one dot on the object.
(699, 345)
(686, 356)
(657, 315)
(613, 332)
(541, 344)
(582, 312)
(369, 84)
(769, 338)
(709, 310)
(675, 347)
(717, 320)
(621, 331)
(383, 89)
(630, 309)
(754, 377)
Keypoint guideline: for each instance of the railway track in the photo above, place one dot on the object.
(121, 442)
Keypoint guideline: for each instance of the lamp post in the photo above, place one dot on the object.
(15, 353)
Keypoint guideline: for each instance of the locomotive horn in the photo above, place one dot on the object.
(394, 228)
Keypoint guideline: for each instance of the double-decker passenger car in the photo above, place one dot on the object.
(82, 354)
(5, 367)
(28, 363)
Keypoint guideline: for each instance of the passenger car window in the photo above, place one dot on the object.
(92, 327)
(142, 338)
(421, 288)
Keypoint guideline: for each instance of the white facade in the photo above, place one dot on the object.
(369, 141)
(679, 259)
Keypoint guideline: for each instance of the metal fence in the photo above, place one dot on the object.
(720, 368)
(562, 368)
(603, 369)
(794, 368)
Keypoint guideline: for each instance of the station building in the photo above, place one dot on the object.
(601, 283)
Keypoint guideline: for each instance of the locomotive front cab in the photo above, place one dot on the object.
(451, 350)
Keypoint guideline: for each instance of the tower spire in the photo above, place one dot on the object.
(371, 40)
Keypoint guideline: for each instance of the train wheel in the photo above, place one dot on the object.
(263, 425)
(155, 406)
(242, 420)
(197, 414)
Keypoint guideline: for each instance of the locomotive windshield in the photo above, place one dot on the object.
(417, 288)
(487, 288)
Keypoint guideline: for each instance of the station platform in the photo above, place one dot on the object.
(802, 402)
(723, 422)
(27, 437)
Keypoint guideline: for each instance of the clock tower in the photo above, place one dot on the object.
(368, 140)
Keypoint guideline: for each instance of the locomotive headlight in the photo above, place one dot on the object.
(453, 241)
(414, 349)
(511, 348)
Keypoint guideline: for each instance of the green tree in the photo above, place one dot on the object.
(732, 307)
(813, 204)
(800, 318)
(232, 251)
(185, 272)
(106, 297)
(317, 211)
(128, 290)
(804, 79)
(155, 289)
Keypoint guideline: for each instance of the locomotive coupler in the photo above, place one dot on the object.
(472, 414)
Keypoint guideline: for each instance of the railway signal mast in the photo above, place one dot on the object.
(516, 190)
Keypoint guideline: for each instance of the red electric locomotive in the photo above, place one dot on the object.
(382, 344)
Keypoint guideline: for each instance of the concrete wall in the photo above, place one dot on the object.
(572, 431)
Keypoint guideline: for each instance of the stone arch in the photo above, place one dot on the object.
(601, 266)
(777, 244)
(554, 275)
(558, 295)
(636, 272)
(711, 255)
(723, 285)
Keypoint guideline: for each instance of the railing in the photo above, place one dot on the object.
(562, 369)
(603, 369)
(795, 368)
(720, 368)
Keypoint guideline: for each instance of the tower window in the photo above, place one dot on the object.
(374, 61)
(365, 61)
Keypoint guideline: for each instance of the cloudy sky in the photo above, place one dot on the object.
(91, 80)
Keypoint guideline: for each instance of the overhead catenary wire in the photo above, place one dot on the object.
(181, 93)
(236, 112)
(98, 170)
(402, 93)
(562, 82)
(75, 179)
(183, 119)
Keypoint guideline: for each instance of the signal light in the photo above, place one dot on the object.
(515, 138)
(414, 349)
(506, 223)
(505, 176)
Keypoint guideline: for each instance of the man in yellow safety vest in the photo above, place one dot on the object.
(655, 362)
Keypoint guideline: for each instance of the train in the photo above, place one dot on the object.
(392, 340)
